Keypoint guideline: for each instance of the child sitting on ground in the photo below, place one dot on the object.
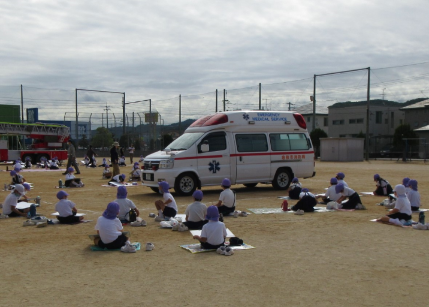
(66, 209)
(86, 161)
(107, 173)
(167, 207)
(136, 172)
(71, 180)
(226, 203)
(9, 204)
(27, 188)
(383, 186)
(196, 212)
(402, 210)
(104, 164)
(353, 202)
(121, 161)
(125, 205)
(109, 228)
(413, 195)
(294, 189)
(213, 233)
(306, 201)
(330, 194)
(54, 163)
(118, 179)
(28, 162)
(141, 159)
(16, 177)
(340, 177)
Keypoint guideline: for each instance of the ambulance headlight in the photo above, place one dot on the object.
(166, 163)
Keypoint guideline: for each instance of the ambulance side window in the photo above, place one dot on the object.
(251, 142)
(289, 141)
(215, 140)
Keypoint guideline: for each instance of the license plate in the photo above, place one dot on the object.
(148, 177)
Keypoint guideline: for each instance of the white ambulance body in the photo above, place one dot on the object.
(248, 147)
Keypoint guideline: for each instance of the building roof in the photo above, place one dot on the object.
(308, 109)
(419, 105)
(375, 102)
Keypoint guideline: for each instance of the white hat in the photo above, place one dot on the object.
(19, 188)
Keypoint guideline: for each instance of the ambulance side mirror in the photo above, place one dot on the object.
(205, 147)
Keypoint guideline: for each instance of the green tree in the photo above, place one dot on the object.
(404, 132)
(102, 138)
(315, 137)
(83, 142)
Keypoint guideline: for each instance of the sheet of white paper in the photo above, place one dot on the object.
(367, 193)
(229, 234)
(24, 205)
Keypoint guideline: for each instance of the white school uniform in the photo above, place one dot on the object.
(347, 192)
(70, 176)
(228, 198)
(10, 201)
(215, 232)
(196, 212)
(172, 204)
(64, 207)
(109, 230)
(331, 194)
(403, 205)
(125, 205)
(343, 182)
(414, 198)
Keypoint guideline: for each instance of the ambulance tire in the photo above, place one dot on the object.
(156, 190)
(250, 185)
(185, 184)
(282, 179)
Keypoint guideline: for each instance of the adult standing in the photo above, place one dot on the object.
(131, 152)
(114, 158)
(91, 154)
(71, 153)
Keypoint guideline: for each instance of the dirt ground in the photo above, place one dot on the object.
(318, 259)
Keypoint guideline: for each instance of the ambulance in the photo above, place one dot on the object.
(248, 147)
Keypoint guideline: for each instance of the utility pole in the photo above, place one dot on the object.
(266, 107)
(290, 104)
(107, 109)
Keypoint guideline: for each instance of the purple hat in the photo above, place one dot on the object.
(294, 180)
(136, 163)
(376, 176)
(12, 173)
(27, 158)
(334, 181)
(111, 211)
(70, 170)
(198, 194)
(226, 183)
(17, 169)
(339, 188)
(341, 175)
(122, 192)
(122, 176)
(55, 158)
(164, 186)
(405, 181)
(107, 166)
(61, 194)
(413, 184)
(400, 190)
(305, 190)
(212, 214)
(26, 186)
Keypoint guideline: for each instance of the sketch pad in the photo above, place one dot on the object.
(24, 205)
(196, 248)
(197, 232)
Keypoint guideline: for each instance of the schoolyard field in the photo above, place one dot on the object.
(317, 259)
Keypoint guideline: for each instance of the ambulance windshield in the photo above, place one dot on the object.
(184, 141)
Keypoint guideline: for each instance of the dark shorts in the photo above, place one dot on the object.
(206, 245)
(71, 219)
(169, 212)
(195, 225)
(415, 208)
(67, 183)
(294, 193)
(400, 216)
(118, 243)
(226, 210)
(13, 214)
(354, 199)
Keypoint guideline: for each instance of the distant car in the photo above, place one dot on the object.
(390, 150)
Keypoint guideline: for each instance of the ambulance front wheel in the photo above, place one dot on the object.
(282, 179)
(185, 184)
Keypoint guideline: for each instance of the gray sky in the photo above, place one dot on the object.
(160, 49)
